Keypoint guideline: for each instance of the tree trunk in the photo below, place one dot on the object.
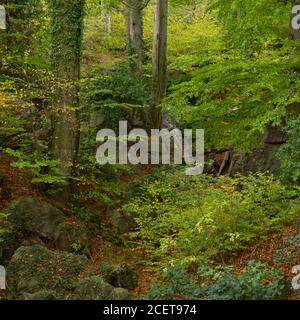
(67, 25)
(159, 60)
(105, 18)
(134, 29)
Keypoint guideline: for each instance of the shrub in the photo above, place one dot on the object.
(256, 282)
(181, 218)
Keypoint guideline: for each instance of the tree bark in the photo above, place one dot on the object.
(105, 18)
(159, 60)
(134, 29)
(67, 25)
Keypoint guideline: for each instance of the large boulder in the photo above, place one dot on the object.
(32, 221)
(259, 160)
(263, 158)
(72, 237)
(42, 295)
(35, 269)
(95, 288)
(34, 216)
(29, 221)
(122, 276)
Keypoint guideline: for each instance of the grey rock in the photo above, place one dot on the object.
(33, 269)
(41, 295)
(122, 276)
(71, 237)
(120, 294)
(35, 216)
(95, 288)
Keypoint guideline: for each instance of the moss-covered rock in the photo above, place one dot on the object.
(29, 221)
(72, 237)
(122, 276)
(35, 216)
(42, 295)
(36, 268)
(119, 294)
(95, 288)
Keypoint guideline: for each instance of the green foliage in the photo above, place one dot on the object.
(181, 218)
(77, 247)
(289, 251)
(115, 94)
(289, 153)
(252, 25)
(256, 282)
(234, 99)
(241, 72)
(85, 215)
(42, 168)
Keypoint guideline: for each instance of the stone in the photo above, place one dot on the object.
(42, 295)
(122, 276)
(92, 288)
(262, 159)
(36, 268)
(35, 216)
(95, 288)
(72, 237)
(119, 294)
(259, 160)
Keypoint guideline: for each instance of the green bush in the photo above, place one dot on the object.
(181, 218)
(256, 282)
(42, 168)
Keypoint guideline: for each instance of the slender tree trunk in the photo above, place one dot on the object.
(67, 25)
(105, 18)
(159, 60)
(134, 29)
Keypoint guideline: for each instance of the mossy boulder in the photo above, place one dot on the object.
(95, 288)
(42, 295)
(35, 216)
(33, 269)
(122, 276)
(72, 237)
(29, 221)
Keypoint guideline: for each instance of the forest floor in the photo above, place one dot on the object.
(18, 184)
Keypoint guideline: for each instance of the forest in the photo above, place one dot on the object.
(88, 210)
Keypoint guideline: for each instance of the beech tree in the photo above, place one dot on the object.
(66, 38)
(159, 59)
(105, 18)
(134, 30)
